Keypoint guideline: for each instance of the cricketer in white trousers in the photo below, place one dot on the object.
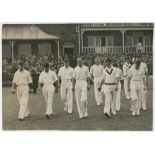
(81, 97)
(118, 92)
(48, 89)
(126, 68)
(22, 79)
(118, 96)
(110, 99)
(23, 96)
(96, 71)
(48, 93)
(144, 93)
(136, 88)
(98, 95)
(109, 88)
(65, 74)
(67, 95)
(143, 101)
(126, 88)
(136, 78)
(80, 74)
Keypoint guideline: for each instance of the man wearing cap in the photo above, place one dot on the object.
(47, 81)
(110, 80)
(137, 84)
(22, 80)
(65, 77)
(126, 68)
(96, 72)
(80, 78)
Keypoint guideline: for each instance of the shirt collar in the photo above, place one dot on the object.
(111, 67)
(22, 71)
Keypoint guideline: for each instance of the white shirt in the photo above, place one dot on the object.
(143, 66)
(120, 73)
(126, 68)
(96, 70)
(110, 75)
(65, 73)
(22, 78)
(47, 78)
(81, 73)
(136, 75)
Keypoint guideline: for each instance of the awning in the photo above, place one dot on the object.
(25, 32)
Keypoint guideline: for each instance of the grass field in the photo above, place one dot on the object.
(62, 121)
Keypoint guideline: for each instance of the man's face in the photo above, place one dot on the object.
(127, 61)
(46, 69)
(79, 62)
(108, 63)
(137, 65)
(66, 64)
(21, 67)
(97, 61)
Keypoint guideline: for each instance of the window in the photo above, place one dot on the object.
(90, 41)
(103, 41)
(97, 41)
(134, 40)
(147, 41)
(109, 41)
(129, 41)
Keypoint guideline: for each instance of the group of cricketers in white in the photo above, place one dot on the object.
(107, 82)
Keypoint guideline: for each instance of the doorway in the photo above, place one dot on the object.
(69, 51)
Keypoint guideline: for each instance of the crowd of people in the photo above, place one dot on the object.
(9, 66)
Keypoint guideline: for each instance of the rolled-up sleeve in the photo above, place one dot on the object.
(41, 78)
(129, 73)
(15, 78)
(29, 77)
(54, 77)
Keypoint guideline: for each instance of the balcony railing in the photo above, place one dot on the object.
(115, 25)
(115, 49)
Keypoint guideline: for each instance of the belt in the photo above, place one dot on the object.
(125, 76)
(137, 80)
(22, 84)
(110, 83)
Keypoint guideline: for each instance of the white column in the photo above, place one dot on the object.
(82, 32)
(79, 37)
(58, 44)
(12, 47)
(123, 32)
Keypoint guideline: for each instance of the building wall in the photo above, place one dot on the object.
(6, 49)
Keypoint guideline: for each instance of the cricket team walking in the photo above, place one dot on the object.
(108, 79)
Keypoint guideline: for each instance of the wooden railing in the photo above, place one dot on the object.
(91, 25)
(115, 49)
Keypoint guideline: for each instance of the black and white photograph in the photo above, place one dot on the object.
(77, 76)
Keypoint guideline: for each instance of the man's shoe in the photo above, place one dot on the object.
(47, 116)
(80, 117)
(133, 113)
(144, 109)
(138, 114)
(114, 113)
(107, 115)
(21, 119)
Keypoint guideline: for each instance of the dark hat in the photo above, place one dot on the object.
(46, 65)
(21, 63)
